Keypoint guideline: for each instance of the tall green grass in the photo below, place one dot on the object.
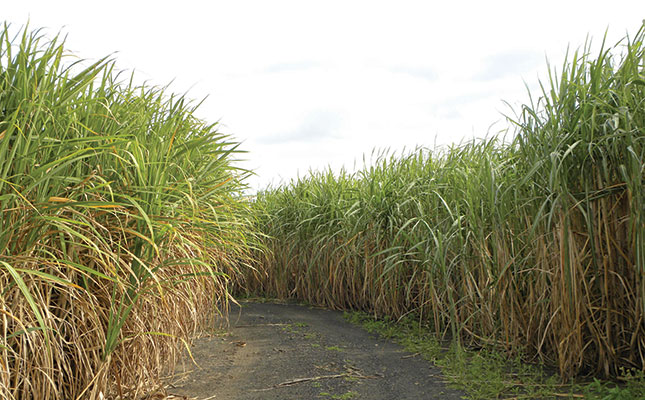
(533, 246)
(121, 222)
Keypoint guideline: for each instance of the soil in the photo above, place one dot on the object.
(289, 351)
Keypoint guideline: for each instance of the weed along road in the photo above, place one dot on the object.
(288, 351)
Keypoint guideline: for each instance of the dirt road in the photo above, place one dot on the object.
(278, 351)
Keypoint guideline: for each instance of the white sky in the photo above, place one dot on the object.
(306, 84)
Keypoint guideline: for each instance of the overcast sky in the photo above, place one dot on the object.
(307, 84)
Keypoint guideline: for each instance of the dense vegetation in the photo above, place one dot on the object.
(535, 246)
(123, 227)
(120, 217)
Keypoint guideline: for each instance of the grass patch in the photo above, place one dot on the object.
(487, 374)
(297, 328)
(407, 332)
(344, 396)
(632, 386)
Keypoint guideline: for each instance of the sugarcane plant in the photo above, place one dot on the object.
(121, 220)
(531, 241)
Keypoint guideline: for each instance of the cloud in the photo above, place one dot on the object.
(416, 72)
(314, 127)
(291, 66)
(453, 107)
(501, 65)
